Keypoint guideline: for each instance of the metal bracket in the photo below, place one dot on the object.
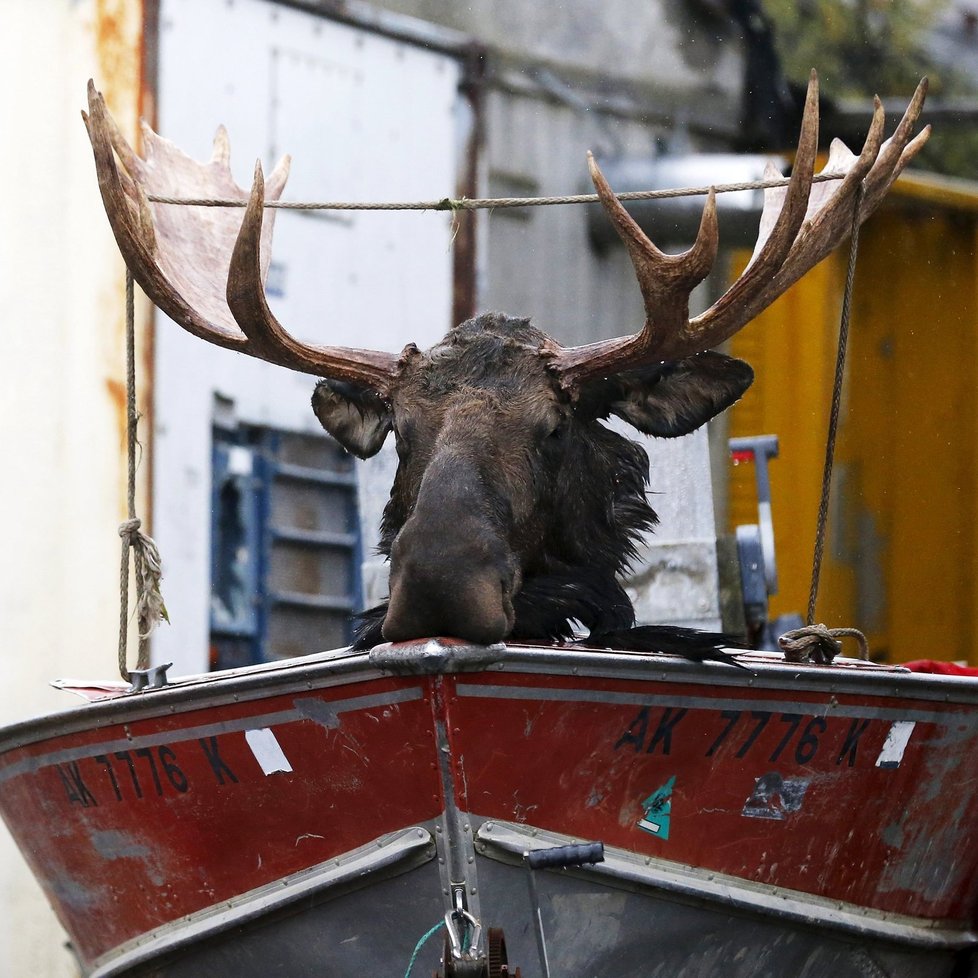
(459, 923)
(750, 556)
(758, 449)
(434, 657)
(456, 867)
(152, 678)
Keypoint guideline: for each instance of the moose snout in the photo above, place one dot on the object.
(461, 588)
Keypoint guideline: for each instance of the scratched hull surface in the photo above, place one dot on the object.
(293, 818)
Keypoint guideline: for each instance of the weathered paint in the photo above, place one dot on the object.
(128, 802)
(121, 56)
(900, 554)
(145, 806)
(790, 347)
(61, 364)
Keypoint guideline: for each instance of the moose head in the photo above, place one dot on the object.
(514, 509)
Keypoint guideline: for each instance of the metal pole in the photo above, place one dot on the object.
(537, 917)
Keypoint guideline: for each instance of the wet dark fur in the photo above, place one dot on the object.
(546, 612)
(593, 516)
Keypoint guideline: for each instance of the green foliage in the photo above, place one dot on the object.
(867, 47)
(860, 47)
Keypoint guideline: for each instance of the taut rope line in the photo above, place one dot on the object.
(840, 368)
(150, 608)
(816, 642)
(485, 203)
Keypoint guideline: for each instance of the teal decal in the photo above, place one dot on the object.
(658, 808)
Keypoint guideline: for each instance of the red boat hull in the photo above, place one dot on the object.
(160, 823)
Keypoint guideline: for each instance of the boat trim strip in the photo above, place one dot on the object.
(507, 843)
(325, 670)
(642, 698)
(393, 853)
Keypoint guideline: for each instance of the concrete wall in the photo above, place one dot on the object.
(62, 495)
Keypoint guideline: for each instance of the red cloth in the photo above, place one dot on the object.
(940, 668)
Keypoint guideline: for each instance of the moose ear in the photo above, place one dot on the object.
(353, 414)
(673, 398)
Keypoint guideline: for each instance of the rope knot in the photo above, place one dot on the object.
(150, 609)
(819, 644)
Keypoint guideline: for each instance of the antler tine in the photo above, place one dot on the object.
(809, 225)
(701, 333)
(222, 147)
(897, 152)
(181, 259)
(833, 223)
(666, 282)
(246, 300)
(830, 211)
(129, 216)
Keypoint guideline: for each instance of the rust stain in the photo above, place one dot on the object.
(112, 343)
(126, 41)
(144, 403)
(118, 48)
(117, 394)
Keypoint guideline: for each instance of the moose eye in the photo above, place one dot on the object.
(553, 431)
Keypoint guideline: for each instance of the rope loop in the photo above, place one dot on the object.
(819, 644)
(129, 527)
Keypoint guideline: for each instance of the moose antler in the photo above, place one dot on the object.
(800, 225)
(180, 255)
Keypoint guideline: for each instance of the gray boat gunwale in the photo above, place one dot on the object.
(342, 667)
